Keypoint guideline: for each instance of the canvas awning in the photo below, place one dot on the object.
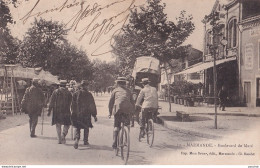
(29, 73)
(205, 65)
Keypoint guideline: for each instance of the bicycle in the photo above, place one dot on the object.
(123, 142)
(149, 128)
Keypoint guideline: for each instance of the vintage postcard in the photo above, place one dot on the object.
(77, 75)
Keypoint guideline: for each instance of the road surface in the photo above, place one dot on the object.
(17, 147)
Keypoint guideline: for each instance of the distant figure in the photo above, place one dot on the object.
(32, 104)
(60, 102)
(223, 96)
(83, 107)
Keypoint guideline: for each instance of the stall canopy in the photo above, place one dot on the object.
(28, 73)
(204, 65)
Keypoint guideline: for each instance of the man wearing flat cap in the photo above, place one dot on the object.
(149, 96)
(121, 105)
(32, 104)
(60, 102)
(83, 107)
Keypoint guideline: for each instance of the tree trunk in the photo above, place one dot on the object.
(168, 88)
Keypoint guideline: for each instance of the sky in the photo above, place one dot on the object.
(93, 23)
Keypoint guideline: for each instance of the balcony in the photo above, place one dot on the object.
(219, 55)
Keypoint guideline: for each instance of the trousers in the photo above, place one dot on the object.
(61, 132)
(145, 115)
(86, 133)
(33, 120)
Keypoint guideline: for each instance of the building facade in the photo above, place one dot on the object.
(249, 32)
(240, 27)
(236, 42)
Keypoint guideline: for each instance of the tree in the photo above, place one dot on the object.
(104, 74)
(71, 63)
(45, 45)
(40, 45)
(149, 33)
(8, 44)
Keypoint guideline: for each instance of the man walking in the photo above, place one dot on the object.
(149, 97)
(32, 104)
(60, 102)
(223, 96)
(83, 107)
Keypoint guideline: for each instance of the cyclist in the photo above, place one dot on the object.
(149, 97)
(121, 105)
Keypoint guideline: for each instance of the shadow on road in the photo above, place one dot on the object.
(47, 138)
(192, 118)
(92, 147)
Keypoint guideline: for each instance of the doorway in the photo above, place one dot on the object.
(257, 92)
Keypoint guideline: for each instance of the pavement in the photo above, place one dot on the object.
(202, 119)
(174, 140)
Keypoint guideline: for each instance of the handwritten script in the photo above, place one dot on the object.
(88, 20)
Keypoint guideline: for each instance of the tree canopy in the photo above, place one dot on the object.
(150, 33)
(8, 44)
(45, 45)
(104, 74)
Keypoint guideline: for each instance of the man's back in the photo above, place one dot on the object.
(150, 97)
(61, 99)
(33, 99)
(121, 99)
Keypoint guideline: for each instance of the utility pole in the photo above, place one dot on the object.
(213, 18)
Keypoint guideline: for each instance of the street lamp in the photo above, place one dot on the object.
(213, 18)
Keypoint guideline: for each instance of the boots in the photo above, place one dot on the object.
(63, 140)
(76, 144)
(115, 133)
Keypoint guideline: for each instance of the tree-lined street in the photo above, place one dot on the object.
(170, 147)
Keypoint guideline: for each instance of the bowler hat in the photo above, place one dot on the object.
(84, 83)
(62, 82)
(121, 79)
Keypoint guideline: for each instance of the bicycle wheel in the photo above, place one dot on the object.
(125, 144)
(150, 132)
(117, 143)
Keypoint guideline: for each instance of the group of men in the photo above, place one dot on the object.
(77, 108)
(67, 109)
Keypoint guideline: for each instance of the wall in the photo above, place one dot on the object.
(250, 61)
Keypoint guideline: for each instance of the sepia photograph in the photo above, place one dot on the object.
(129, 82)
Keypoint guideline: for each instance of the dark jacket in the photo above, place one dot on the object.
(60, 102)
(223, 94)
(33, 100)
(83, 107)
(121, 100)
